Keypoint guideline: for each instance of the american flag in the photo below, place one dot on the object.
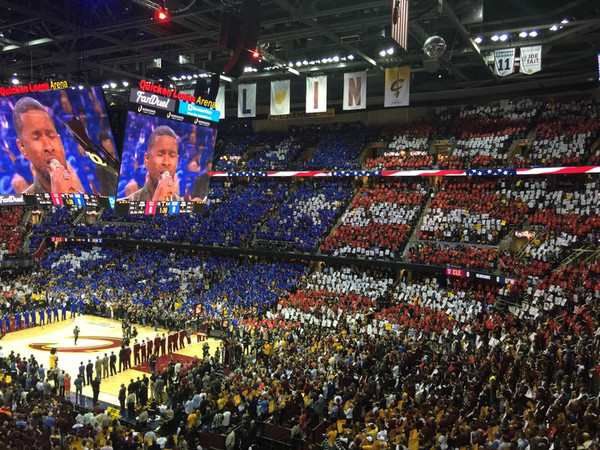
(400, 22)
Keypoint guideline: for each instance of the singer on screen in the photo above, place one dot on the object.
(39, 142)
(160, 160)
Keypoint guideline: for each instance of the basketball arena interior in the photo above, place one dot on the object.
(289, 224)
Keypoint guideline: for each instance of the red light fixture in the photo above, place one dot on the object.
(256, 54)
(162, 15)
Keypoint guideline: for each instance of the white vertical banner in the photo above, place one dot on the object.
(280, 97)
(355, 90)
(531, 59)
(316, 94)
(247, 100)
(504, 61)
(220, 101)
(397, 86)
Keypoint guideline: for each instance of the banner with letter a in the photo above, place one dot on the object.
(355, 90)
(280, 97)
(397, 86)
(531, 59)
(316, 94)
(247, 100)
(504, 61)
(220, 101)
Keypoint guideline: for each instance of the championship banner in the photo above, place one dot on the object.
(355, 90)
(400, 22)
(316, 94)
(247, 100)
(280, 97)
(504, 61)
(397, 86)
(220, 101)
(531, 59)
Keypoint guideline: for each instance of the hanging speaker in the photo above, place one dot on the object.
(246, 40)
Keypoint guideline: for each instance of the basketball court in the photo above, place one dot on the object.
(98, 335)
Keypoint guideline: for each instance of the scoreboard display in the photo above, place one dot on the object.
(152, 207)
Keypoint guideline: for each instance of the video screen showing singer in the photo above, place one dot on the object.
(161, 160)
(165, 159)
(39, 153)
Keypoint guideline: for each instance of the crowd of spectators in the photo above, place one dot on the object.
(378, 222)
(307, 214)
(11, 230)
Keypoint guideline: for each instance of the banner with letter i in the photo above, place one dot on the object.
(247, 100)
(280, 97)
(355, 90)
(504, 61)
(316, 94)
(397, 86)
(531, 59)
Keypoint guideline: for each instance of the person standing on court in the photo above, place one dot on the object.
(122, 398)
(76, 333)
(113, 363)
(105, 363)
(78, 389)
(95, 390)
(98, 366)
(89, 370)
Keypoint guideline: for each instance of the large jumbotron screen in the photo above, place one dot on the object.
(167, 157)
(41, 161)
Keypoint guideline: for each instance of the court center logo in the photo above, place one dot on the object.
(106, 343)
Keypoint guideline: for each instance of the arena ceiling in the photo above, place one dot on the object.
(95, 42)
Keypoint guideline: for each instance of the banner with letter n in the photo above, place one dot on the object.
(316, 94)
(247, 100)
(504, 61)
(355, 90)
(400, 22)
(280, 97)
(531, 59)
(397, 86)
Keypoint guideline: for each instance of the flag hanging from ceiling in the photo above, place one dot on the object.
(280, 97)
(397, 86)
(220, 101)
(355, 90)
(531, 59)
(504, 61)
(316, 94)
(247, 100)
(400, 22)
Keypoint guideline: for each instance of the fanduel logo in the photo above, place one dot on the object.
(12, 200)
(158, 101)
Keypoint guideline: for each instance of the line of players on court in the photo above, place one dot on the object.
(148, 350)
(29, 319)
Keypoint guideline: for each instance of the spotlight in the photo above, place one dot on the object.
(162, 15)
(350, 57)
(305, 63)
(564, 21)
(478, 40)
(256, 54)
(336, 58)
(105, 86)
(504, 37)
(189, 77)
(125, 83)
(495, 38)
(553, 28)
(382, 53)
(113, 84)
(390, 51)
(324, 60)
(298, 63)
(523, 34)
(533, 33)
(15, 81)
(80, 87)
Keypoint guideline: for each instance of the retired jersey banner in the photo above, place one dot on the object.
(531, 59)
(280, 97)
(504, 61)
(316, 94)
(397, 86)
(247, 100)
(220, 101)
(355, 90)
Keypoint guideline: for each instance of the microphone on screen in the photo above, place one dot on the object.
(164, 175)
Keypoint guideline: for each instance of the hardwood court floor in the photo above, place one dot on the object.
(98, 335)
